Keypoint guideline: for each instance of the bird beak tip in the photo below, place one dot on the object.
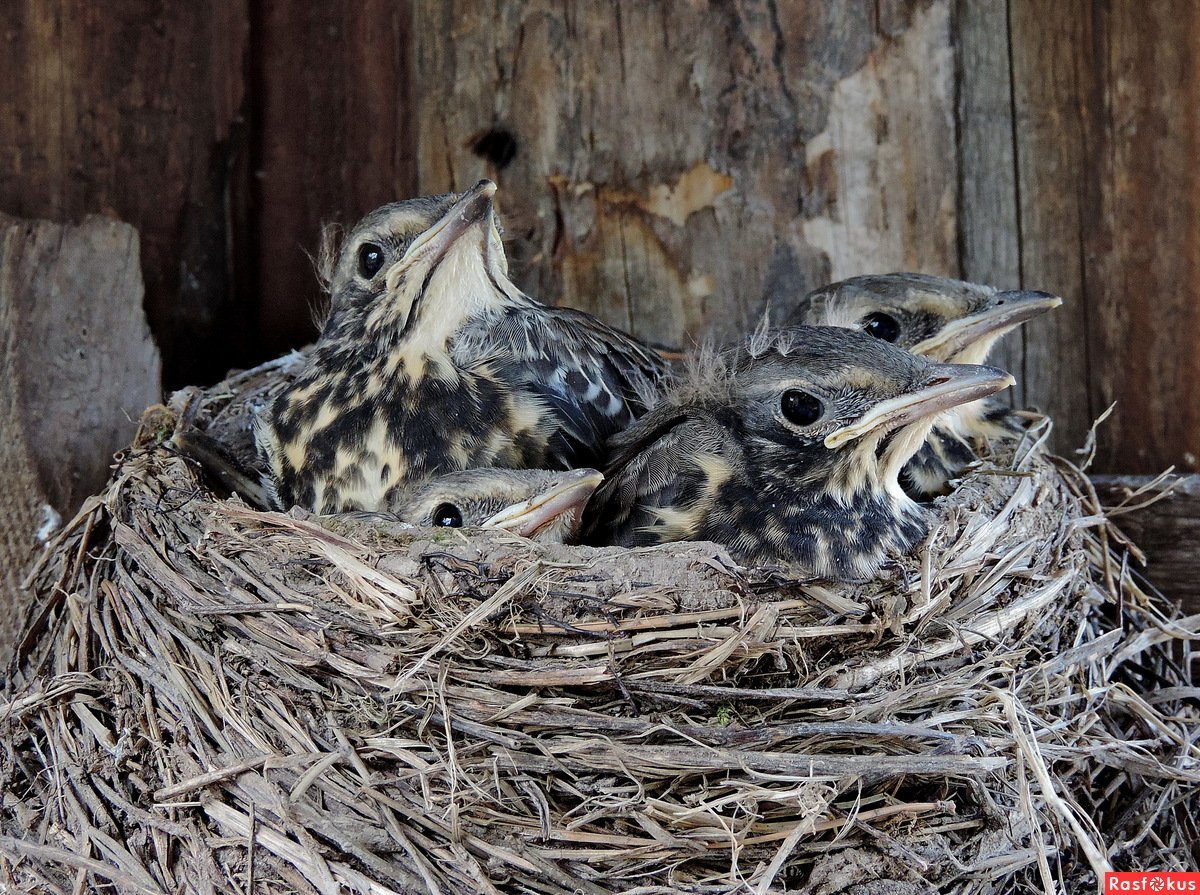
(1029, 297)
(1007, 311)
(472, 206)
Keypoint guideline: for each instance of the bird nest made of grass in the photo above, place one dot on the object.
(211, 698)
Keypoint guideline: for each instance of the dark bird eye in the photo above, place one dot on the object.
(447, 515)
(370, 259)
(881, 326)
(800, 408)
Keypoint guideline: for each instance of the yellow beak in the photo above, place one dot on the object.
(949, 385)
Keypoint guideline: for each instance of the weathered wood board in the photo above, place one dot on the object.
(1167, 531)
(78, 366)
(1110, 217)
(136, 109)
(333, 140)
(678, 167)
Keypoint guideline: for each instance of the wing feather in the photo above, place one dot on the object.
(652, 468)
(593, 379)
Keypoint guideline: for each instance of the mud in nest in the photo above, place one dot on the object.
(216, 699)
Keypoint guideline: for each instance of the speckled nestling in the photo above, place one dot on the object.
(946, 320)
(786, 450)
(433, 361)
(541, 504)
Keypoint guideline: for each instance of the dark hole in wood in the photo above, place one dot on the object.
(497, 145)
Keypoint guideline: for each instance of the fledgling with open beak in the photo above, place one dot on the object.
(541, 504)
(786, 450)
(433, 361)
(950, 321)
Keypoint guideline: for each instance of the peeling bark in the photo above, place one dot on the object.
(678, 166)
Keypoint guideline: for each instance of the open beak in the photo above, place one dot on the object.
(1007, 311)
(949, 385)
(563, 501)
(474, 206)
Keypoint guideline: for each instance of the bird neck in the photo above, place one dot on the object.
(987, 419)
(422, 313)
(977, 352)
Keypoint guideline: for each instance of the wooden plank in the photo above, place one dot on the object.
(133, 109)
(1168, 531)
(676, 166)
(1143, 240)
(77, 366)
(1051, 52)
(1110, 218)
(679, 166)
(333, 139)
(989, 250)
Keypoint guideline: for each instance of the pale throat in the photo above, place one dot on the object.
(865, 467)
(457, 291)
(903, 447)
(460, 290)
(965, 419)
(977, 351)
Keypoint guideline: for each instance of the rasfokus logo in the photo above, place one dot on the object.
(1152, 883)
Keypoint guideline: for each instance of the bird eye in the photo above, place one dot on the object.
(447, 515)
(800, 408)
(881, 326)
(370, 259)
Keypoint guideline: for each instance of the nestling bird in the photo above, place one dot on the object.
(432, 361)
(786, 450)
(947, 320)
(541, 504)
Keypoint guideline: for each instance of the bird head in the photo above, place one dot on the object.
(938, 317)
(544, 505)
(436, 255)
(838, 409)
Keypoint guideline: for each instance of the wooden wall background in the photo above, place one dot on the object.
(677, 164)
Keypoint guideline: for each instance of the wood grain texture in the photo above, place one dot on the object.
(78, 367)
(1110, 218)
(988, 235)
(678, 165)
(1142, 234)
(1167, 531)
(679, 168)
(1048, 43)
(332, 140)
(132, 109)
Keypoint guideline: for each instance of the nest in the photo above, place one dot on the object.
(216, 699)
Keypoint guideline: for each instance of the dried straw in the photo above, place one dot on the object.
(216, 699)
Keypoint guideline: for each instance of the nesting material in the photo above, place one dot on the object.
(216, 699)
